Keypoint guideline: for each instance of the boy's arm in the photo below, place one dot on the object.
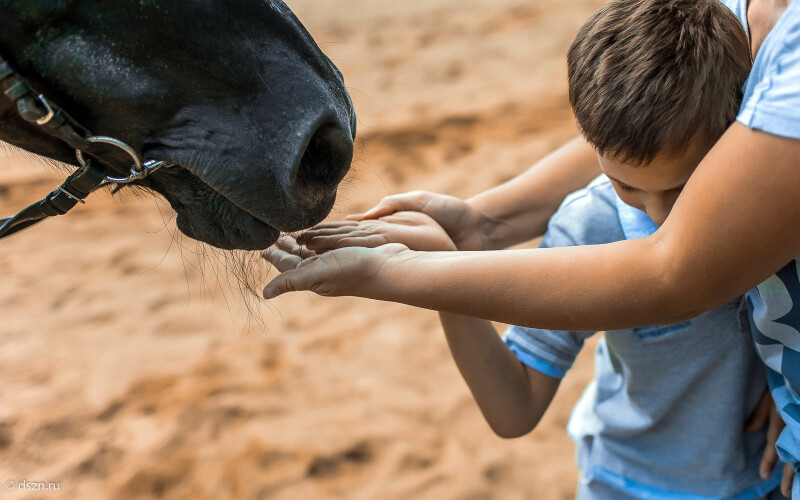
(509, 214)
(735, 224)
(511, 396)
(524, 205)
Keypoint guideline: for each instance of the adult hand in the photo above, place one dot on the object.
(347, 271)
(415, 230)
(765, 413)
(466, 226)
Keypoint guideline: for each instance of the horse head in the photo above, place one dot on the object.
(236, 93)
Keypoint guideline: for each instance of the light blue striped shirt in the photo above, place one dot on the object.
(772, 104)
(664, 416)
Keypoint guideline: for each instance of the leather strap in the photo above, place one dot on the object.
(74, 190)
(33, 109)
(52, 119)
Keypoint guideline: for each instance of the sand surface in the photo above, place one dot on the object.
(131, 367)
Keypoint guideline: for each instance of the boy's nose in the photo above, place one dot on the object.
(658, 219)
(658, 212)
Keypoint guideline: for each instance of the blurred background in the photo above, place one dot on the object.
(131, 365)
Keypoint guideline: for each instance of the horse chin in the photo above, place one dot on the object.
(207, 216)
(243, 232)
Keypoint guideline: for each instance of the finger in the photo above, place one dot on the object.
(758, 419)
(776, 425)
(337, 223)
(313, 233)
(289, 281)
(774, 429)
(370, 241)
(295, 247)
(288, 244)
(329, 230)
(355, 217)
(787, 480)
(408, 201)
(282, 260)
(322, 243)
(768, 461)
(382, 209)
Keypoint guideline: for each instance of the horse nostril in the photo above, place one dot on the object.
(323, 165)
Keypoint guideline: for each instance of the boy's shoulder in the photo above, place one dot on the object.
(588, 216)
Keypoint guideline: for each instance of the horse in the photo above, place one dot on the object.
(253, 120)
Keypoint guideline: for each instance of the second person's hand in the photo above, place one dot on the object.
(465, 225)
(415, 230)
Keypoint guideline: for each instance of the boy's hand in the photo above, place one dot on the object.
(465, 225)
(415, 230)
(347, 271)
(766, 414)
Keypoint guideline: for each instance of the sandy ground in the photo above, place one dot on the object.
(130, 366)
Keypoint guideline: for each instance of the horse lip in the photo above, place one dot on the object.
(246, 238)
(307, 217)
(174, 165)
(251, 233)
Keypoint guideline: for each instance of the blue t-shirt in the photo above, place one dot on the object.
(664, 416)
(772, 104)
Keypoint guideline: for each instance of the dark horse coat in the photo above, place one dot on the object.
(234, 91)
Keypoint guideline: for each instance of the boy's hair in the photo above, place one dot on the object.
(648, 76)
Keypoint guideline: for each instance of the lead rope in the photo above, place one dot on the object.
(36, 109)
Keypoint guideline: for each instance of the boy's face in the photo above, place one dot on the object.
(655, 187)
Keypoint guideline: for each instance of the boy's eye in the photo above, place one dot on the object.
(626, 188)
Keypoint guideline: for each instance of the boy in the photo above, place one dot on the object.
(651, 424)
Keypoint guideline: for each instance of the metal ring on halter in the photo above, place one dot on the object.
(137, 162)
(148, 168)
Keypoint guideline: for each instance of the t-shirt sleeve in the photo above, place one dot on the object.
(550, 352)
(772, 93)
(546, 351)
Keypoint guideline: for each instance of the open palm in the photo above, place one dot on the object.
(415, 230)
(346, 271)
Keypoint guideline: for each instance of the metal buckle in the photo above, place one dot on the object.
(70, 195)
(50, 113)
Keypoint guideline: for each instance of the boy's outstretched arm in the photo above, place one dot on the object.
(506, 215)
(511, 396)
(735, 224)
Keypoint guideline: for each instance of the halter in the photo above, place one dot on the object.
(36, 109)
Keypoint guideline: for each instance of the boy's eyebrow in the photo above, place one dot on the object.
(620, 182)
(624, 185)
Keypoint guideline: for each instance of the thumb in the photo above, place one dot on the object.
(770, 457)
(288, 281)
(787, 481)
(412, 201)
(387, 206)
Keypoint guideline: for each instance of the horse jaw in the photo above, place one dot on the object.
(236, 108)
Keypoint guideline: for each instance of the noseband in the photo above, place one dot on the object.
(36, 109)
